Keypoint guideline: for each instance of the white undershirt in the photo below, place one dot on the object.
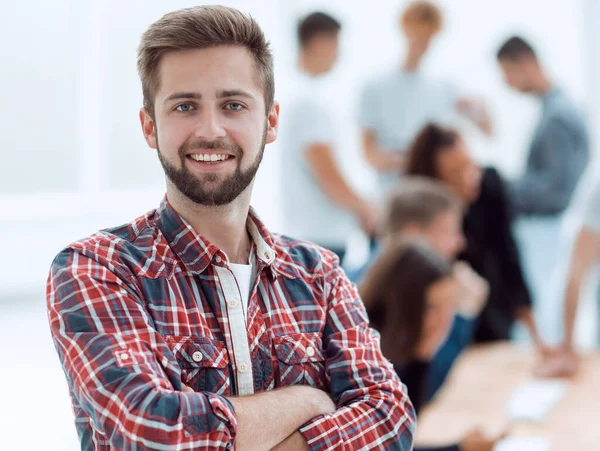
(244, 275)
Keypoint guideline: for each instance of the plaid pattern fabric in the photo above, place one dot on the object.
(138, 310)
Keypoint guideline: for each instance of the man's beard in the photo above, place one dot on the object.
(224, 193)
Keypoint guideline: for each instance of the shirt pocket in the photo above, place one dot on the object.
(301, 360)
(204, 363)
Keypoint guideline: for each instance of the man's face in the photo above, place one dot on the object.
(325, 49)
(444, 233)
(209, 125)
(517, 74)
(419, 43)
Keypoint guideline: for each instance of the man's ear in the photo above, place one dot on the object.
(272, 123)
(148, 128)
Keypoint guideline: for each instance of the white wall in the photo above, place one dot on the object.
(73, 156)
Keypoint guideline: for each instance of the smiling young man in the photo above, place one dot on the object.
(194, 327)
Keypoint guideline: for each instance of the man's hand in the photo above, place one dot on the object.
(476, 441)
(558, 364)
(368, 217)
(474, 290)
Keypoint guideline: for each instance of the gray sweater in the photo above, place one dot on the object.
(557, 158)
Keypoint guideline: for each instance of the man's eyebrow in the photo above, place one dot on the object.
(182, 96)
(235, 93)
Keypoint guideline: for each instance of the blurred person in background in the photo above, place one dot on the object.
(193, 326)
(395, 106)
(559, 151)
(419, 207)
(423, 208)
(585, 255)
(411, 294)
(440, 153)
(319, 203)
(558, 155)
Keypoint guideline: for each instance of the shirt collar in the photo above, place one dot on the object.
(196, 252)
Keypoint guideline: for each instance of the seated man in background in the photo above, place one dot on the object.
(423, 208)
(585, 255)
(441, 154)
(319, 203)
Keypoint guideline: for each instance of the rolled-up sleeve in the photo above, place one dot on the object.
(119, 368)
(374, 411)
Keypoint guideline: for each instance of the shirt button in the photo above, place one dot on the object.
(124, 356)
(310, 351)
(197, 356)
(233, 303)
(218, 259)
(244, 368)
(267, 256)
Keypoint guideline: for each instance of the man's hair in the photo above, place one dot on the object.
(423, 154)
(315, 24)
(422, 16)
(514, 49)
(202, 27)
(417, 200)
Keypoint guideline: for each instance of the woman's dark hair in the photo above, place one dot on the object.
(394, 292)
(429, 143)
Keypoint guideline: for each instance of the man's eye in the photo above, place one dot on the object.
(234, 106)
(184, 108)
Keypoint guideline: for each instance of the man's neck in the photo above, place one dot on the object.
(224, 226)
(411, 63)
(544, 86)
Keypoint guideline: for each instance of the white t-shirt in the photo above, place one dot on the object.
(308, 214)
(398, 105)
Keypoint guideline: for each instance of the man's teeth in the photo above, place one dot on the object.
(208, 157)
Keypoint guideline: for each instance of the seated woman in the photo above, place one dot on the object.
(441, 154)
(411, 294)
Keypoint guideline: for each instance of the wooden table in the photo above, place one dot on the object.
(479, 387)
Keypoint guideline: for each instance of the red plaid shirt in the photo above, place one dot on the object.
(138, 310)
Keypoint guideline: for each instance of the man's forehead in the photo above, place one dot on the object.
(209, 72)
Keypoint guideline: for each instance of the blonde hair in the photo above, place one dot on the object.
(197, 28)
(422, 17)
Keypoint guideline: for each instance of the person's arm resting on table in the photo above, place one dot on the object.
(128, 381)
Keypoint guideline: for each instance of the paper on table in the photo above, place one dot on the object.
(523, 444)
(534, 400)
